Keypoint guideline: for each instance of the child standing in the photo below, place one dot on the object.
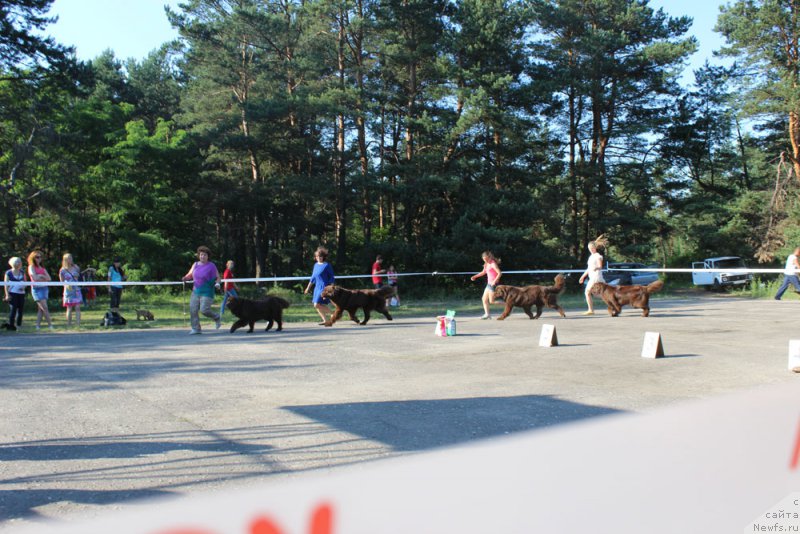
(229, 289)
(72, 298)
(391, 277)
(15, 292)
(37, 273)
(492, 271)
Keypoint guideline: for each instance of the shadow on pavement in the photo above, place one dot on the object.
(417, 425)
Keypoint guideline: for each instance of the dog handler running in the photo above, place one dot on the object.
(206, 280)
(594, 270)
(321, 276)
(493, 274)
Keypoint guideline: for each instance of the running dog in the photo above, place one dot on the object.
(529, 296)
(616, 297)
(353, 299)
(249, 311)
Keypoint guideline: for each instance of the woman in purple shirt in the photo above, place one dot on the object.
(206, 280)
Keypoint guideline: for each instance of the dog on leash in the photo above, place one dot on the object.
(353, 299)
(528, 296)
(250, 311)
(147, 315)
(616, 297)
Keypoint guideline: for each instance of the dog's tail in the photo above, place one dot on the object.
(282, 301)
(559, 286)
(385, 292)
(655, 286)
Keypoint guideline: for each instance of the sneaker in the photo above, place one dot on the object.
(194, 332)
(38, 328)
(218, 323)
(588, 313)
(484, 317)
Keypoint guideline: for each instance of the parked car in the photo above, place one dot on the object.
(623, 274)
(730, 273)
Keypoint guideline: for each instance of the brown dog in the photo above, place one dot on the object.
(146, 314)
(616, 297)
(249, 311)
(353, 299)
(528, 296)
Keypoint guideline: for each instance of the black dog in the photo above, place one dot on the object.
(249, 311)
(112, 318)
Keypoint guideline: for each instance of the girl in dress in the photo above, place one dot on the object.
(37, 273)
(72, 294)
(321, 276)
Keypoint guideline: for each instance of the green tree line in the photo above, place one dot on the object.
(423, 130)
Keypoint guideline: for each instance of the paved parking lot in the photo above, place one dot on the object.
(89, 422)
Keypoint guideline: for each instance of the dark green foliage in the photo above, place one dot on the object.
(424, 130)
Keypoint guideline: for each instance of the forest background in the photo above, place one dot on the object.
(423, 130)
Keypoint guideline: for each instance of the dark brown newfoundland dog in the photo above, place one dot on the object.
(353, 299)
(528, 296)
(249, 311)
(616, 297)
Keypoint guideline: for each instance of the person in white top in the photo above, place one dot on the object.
(594, 271)
(790, 274)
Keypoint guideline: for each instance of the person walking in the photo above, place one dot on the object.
(790, 272)
(491, 269)
(229, 289)
(206, 279)
(377, 271)
(72, 297)
(321, 276)
(37, 273)
(15, 292)
(116, 274)
(594, 270)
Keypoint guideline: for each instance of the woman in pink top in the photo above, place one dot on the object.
(492, 271)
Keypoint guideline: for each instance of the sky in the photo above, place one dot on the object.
(134, 28)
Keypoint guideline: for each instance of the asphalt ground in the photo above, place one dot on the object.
(91, 422)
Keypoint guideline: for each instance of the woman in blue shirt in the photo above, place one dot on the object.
(321, 276)
(116, 274)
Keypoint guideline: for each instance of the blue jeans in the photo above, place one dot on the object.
(788, 279)
(229, 293)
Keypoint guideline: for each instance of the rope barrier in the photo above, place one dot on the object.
(102, 283)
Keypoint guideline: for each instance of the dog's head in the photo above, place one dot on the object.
(234, 304)
(599, 287)
(329, 292)
(501, 292)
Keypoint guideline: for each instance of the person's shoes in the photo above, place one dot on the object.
(218, 323)
(484, 317)
(323, 323)
(194, 332)
(51, 328)
(588, 313)
(776, 298)
(38, 328)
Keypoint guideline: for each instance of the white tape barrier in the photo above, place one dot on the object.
(101, 283)
(717, 465)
